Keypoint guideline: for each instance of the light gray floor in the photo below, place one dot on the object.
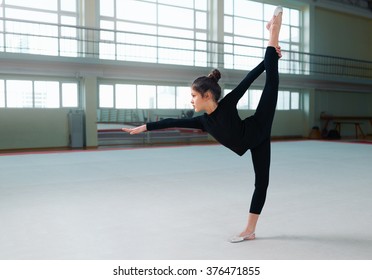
(185, 202)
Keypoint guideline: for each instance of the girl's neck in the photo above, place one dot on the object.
(211, 107)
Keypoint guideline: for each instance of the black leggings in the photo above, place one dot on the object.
(264, 117)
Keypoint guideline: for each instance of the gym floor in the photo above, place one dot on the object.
(175, 203)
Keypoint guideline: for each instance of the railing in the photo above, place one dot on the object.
(72, 41)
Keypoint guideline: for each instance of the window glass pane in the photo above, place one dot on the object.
(201, 59)
(68, 47)
(201, 20)
(283, 100)
(254, 98)
(285, 33)
(107, 51)
(248, 27)
(183, 3)
(125, 96)
(183, 100)
(106, 8)
(286, 20)
(19, 94)
(243, 102)
(2, 94)
(106, 96)
(68, 31)
(295, 100)
(46, 94)
(179, 57)
(202, 5)
(200, 36)
(136, 53)
(166, 97)
(174, 16)
(68, 20)
(248, 9)
(228, 24)
(37, 4)
(175, 32)
(107, 35)
(225, 92)
(229, 7)
(70, 5)
(70, 95)
(146, 97)
(136, 11)
(176, 43)
(295, 35)
(140, 28)
(295, 17)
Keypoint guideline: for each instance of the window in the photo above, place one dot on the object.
(70, 95)
(38, 94)
(45, 37)
(245, 33)
(295, 100)
(287, 100)
(160, 31)
(19, 94)
(183, 98)
(126, 96)
(2, 94)
(166, 97)
(284, 100)
(146, 96)
(106, 96)
(130, 96)
(46, 94)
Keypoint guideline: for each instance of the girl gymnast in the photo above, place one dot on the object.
(222, 121)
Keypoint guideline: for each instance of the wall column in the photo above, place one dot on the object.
(89, 83)
(310, 118)
(89, 90)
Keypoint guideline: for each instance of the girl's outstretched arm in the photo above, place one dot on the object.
(166, 123)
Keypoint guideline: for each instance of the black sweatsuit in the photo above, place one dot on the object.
(252, 133)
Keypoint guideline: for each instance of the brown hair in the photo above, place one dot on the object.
(208, 83)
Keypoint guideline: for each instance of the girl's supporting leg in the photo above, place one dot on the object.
(261, 157)
(261, 164)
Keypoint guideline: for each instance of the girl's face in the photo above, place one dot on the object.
(197, 101)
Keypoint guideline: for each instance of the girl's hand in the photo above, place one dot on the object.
(135, 130)
(278, 51)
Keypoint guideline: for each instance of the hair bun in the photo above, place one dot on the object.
(215, 74)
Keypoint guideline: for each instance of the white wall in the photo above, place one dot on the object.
(341, 34)
(33, 128)
(344, 104)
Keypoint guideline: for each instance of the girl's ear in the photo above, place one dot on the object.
(208, 95)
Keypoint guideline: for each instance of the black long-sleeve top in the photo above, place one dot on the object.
(224, 123)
